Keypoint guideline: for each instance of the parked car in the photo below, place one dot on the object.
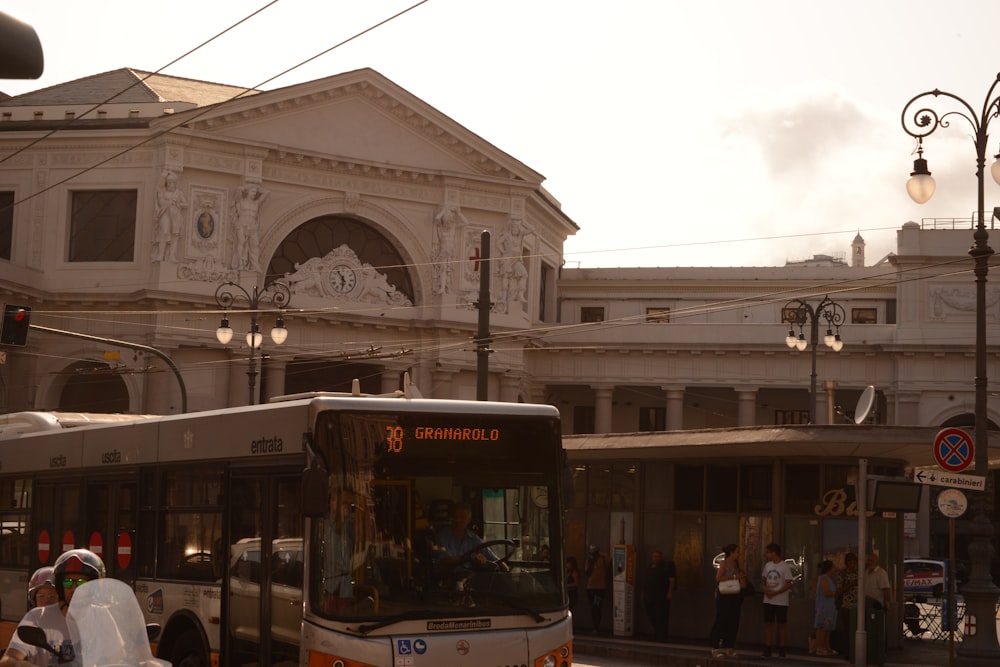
(286, 589)
(925, 576)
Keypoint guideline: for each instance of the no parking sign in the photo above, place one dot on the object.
(953, 449)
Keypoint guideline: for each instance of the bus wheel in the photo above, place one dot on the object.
(188, 651)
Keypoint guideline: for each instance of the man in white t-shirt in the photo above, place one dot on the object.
(876, 582)
(777, 580)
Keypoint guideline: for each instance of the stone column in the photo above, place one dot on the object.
(510, 385)
(537, 393)
(238, 366)
(907, 408)
(390, 380)
(747, 414)
(675, 408)
(275, 370)
(827, 408)
(822, 395)
(442, 380)
(157, 398)
(602, 408)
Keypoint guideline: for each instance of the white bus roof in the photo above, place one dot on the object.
(257, 431)
(16, 424)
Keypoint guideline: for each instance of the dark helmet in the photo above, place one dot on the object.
(41, 577)
(80, 562)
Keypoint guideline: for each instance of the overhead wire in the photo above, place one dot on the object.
(176, 60)
(500, 337)
(460, 343)
(198, 113)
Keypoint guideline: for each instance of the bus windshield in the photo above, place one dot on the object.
(436, 514)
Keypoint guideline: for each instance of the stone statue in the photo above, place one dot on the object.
(169, 218)
(511, 271)
(446, 224)
(246, 223)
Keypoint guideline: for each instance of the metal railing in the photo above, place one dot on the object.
(957, 223)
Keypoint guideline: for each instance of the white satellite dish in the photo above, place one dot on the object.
(865, 405)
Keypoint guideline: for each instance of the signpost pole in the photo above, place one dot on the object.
(950, 594)
(861, 494)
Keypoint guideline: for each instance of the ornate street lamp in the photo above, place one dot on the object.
(919, 120)
(277, 295)
(798, 313)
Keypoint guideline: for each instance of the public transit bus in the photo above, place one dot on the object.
(307, 531)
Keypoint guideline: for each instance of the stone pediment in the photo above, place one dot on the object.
(357, 119)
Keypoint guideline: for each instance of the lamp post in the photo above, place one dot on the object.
(919, 120)
(798, 313)
(277, 295)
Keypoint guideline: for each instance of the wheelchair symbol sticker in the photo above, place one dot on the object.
(403, 647)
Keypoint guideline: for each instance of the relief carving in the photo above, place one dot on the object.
(341, 276)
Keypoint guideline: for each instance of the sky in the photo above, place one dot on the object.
(708, 133)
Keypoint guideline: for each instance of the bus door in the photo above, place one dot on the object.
(263, 590)
(109, 525)
(56, 521)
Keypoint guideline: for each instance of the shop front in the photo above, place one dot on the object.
(689, 493)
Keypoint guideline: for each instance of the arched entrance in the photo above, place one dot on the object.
(93, 387)
(366, 248)
(320, 236)
(967, 420)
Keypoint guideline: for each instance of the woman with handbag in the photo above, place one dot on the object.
(730, 582)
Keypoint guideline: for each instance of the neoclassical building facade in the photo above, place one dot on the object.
(122, 219)
(364, 205)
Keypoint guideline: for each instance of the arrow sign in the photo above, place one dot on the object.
(954, 480)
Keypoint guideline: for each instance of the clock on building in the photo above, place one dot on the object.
(343, 279)
(540, 496)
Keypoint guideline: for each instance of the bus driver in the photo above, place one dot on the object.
(457, 539)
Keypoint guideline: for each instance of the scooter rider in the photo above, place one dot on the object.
(41, 589)
(71, 570)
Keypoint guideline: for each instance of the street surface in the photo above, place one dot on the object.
(591, 661)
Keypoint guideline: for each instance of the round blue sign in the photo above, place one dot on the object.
(953, 449)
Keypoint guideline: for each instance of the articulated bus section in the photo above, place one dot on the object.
(304, 531)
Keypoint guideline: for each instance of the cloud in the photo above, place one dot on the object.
(797, 137)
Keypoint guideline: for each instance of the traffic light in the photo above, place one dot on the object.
(14, 330)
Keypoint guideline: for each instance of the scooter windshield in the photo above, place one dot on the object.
(107, 624)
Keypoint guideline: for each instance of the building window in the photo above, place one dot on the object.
(658, 315)
(864, 316)
(623, 483)
(6, 223)
(543, 292)
(791, 417)
(584, 419)
(802, 489)
(755, 488)
(599, 486)
(592, 314)
(102, 226)
(689, 487)
(652, 419)
(721, 488)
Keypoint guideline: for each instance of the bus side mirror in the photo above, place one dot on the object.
(315, 492)
(315, 483)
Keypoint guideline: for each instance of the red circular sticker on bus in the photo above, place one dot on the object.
(124, 550)
(97, 544)
(69, 542)
(44, 545)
